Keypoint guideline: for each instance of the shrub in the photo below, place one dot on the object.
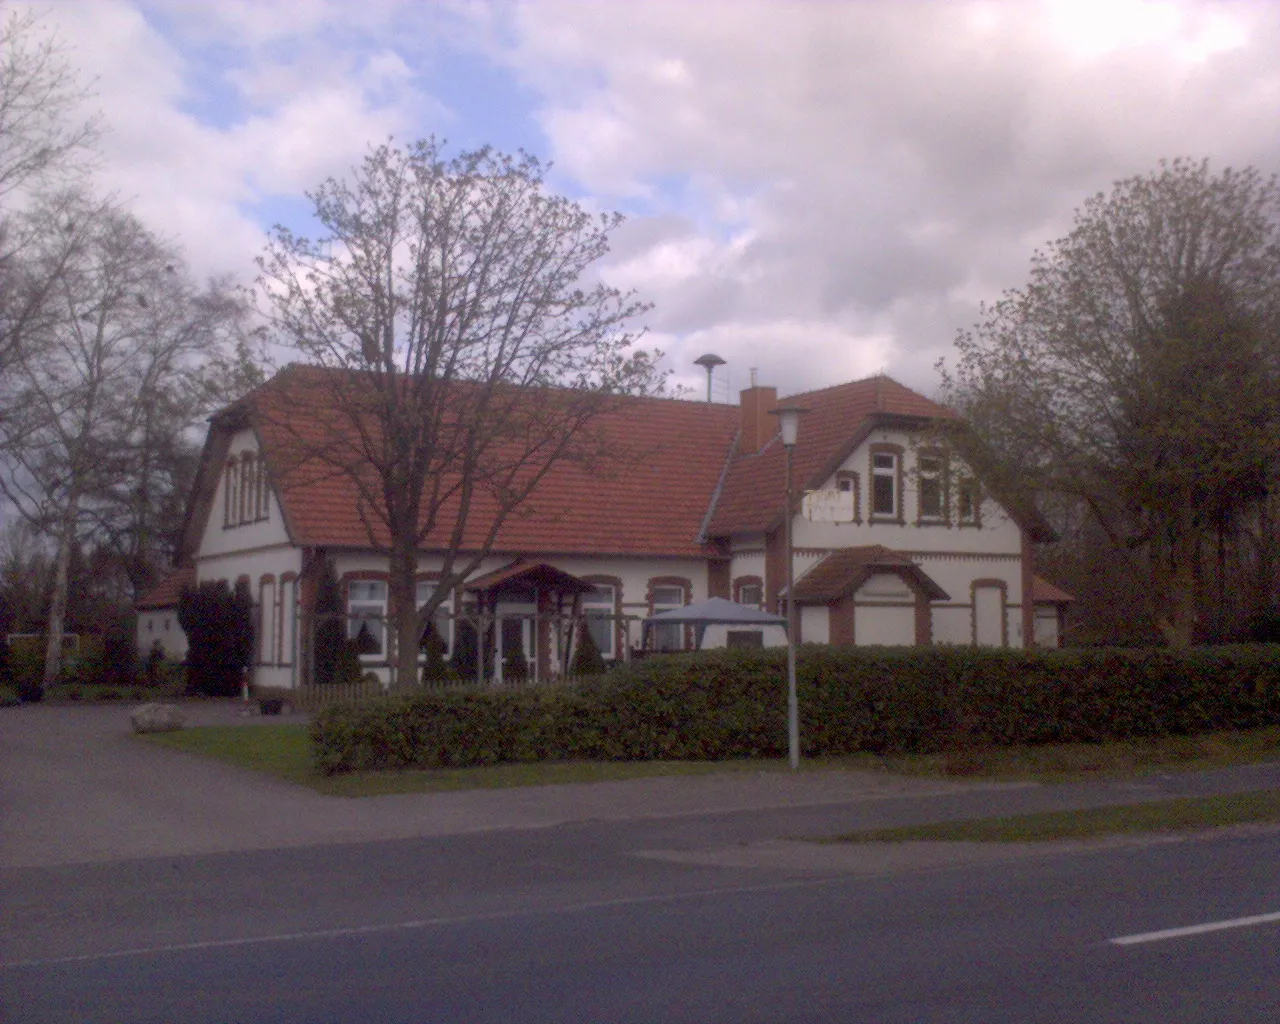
(726, 704)
(219, 627)
(8, 697)
(587, 660)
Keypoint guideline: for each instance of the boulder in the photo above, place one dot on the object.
(157, 718)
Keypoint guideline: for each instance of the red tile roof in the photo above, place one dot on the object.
(838, 419)
(648, 496)
(165, 594)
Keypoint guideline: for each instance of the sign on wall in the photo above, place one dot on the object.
(829, 506)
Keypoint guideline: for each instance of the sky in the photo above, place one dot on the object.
(818, 191)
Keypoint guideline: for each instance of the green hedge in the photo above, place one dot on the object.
(726, 704)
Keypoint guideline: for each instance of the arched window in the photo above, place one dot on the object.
(231, 493)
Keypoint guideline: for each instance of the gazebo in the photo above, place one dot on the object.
(714, 611)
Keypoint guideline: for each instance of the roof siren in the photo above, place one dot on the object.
(710, 361)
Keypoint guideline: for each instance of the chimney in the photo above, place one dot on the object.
(757, 425)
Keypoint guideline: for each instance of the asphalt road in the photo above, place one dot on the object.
(565, 925)
(633, 902)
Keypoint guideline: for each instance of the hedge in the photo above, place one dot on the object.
(718, 705)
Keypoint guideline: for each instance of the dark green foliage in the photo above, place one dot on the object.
(465, 649)
(330, 628)
(434, 669)
(1265, 627)
(6, 667)
(219, 628)
(587, 660)
(717, 705)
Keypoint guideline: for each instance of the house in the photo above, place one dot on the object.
(895, 540)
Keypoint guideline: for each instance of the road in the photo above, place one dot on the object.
(608, 922)
(607, 903)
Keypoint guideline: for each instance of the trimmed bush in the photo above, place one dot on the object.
(726, 704)
(8, 697)
(219, 626)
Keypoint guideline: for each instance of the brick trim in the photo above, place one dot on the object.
(989, 583)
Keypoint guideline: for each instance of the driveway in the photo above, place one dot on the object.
(77, 786)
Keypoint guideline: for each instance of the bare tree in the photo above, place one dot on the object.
(465, 356)
(1139, 370)
(121, 340)
(42, 143)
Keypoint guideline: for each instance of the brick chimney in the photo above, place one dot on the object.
(757, 425)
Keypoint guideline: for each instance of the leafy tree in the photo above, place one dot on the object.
(1138, 372)
(121, 353)
(466, 356)
(220, 641)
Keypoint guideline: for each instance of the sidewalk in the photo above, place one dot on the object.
(76, 786)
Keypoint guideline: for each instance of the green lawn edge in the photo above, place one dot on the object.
(1177, 815)
(283, 750)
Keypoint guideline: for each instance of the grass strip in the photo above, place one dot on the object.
(285, 752)
(1183, 814)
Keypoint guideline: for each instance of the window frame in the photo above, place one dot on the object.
(231, 492)
(742, 583)
(941, 517)
(662, 583)
(894, 474)
(354, 618)
(970, 487)
(445, 608)
(609, 651)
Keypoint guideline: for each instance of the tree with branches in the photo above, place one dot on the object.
(1138, 372)
(467, 352)
(123, 352)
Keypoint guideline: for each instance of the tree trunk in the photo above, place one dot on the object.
(403, 593)
(58, 599)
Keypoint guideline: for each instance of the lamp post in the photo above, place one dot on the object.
(790, 422)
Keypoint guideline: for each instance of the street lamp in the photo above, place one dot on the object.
(789, 416)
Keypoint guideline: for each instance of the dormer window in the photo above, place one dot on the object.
(969, 499)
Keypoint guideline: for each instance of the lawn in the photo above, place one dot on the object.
(284, 751)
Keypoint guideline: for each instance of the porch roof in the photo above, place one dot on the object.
(520, 575)
(843, 572)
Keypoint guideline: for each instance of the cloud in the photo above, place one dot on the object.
(886, 165)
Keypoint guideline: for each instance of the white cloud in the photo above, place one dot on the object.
(886, 164)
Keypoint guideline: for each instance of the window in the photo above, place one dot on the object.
(884, 485)
(969, 498)
(932, 488)
(248, 487)
(750, 593)
(231, 494)
(668, 636)
(267, 621)
(442, 620)
(367, 615)
(598, 606)
(263, 489)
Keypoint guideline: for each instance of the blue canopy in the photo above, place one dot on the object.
(714, 611)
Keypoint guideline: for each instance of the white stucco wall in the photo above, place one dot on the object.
(220, 538)
(161, 626)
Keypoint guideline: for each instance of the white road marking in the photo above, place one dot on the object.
(404, 926)
(1195, 929)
